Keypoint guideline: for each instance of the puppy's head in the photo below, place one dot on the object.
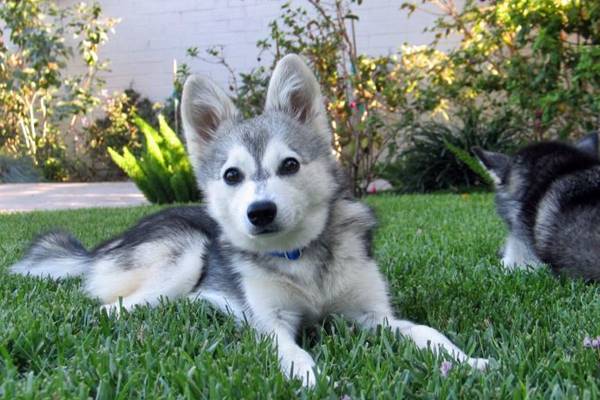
(267, 181)
(518, 178)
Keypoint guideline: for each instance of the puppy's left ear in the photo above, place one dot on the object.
(589, 144)
(294, 90)
(204, 108)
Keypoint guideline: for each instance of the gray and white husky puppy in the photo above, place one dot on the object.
(548, 194)
(280, 244)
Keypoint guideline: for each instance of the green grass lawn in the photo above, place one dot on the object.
(439, 254)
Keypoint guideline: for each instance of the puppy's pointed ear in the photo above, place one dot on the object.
(589, 144)
(495, 163)
(204, 108)
(294, 90)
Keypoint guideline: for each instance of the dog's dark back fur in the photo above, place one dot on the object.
(568, 238)
(543, 164)
(549, 195)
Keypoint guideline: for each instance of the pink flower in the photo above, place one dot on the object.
(353, 105)
(445, 368)
(593, 343)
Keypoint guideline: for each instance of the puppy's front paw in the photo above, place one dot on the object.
(306, 374)
(112, 310)
(478, 363)
(299, 364)
(508, 263)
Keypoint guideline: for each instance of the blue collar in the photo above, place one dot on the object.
(291, 255)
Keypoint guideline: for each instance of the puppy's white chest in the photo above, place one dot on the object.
(304, 280)
(294, 286)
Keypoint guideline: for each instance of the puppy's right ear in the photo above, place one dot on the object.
(496, 164)
(589, 144)
(204, 108)
(295, 91)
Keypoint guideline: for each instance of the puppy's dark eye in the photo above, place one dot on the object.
(289, 166)
(233, 176)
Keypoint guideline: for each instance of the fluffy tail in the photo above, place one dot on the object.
(54, 255)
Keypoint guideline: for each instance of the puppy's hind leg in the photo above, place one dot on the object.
(166, 277)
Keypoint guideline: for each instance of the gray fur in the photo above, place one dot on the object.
(549, 198)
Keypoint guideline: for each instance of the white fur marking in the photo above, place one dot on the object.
(517, 255)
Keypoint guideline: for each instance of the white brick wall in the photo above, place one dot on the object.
(153, 33)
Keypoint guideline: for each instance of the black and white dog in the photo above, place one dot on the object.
(281, 242)
(548, 194)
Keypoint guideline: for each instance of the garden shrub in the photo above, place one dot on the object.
(39, 103)
(538, 59)
(116, 129)
(434, 158)
(162, 172)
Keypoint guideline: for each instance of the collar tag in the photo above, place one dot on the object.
(291, 255)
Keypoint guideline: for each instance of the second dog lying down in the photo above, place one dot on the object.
(281, 243)
(548, 194)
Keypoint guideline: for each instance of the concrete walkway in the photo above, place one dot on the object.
(57, 196)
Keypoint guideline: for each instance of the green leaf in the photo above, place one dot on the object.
(169, 135)
(470, 162)
(147, 129)
(180, 187)
(128, 163)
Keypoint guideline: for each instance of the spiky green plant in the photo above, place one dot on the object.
(470, 162)
(163, 172)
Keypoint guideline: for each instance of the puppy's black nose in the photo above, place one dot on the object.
(262, 213)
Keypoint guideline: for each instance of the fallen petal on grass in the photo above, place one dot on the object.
(445, 368)
(593, 343)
